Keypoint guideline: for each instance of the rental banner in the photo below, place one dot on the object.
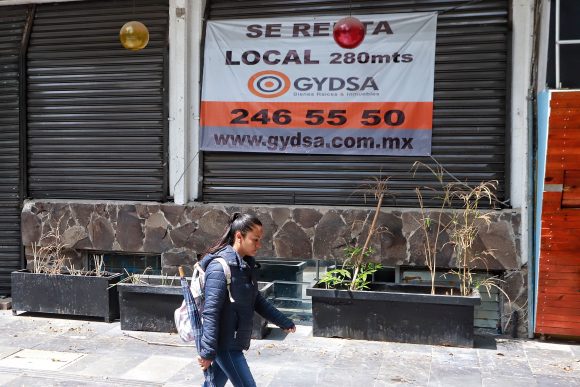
(283, 85)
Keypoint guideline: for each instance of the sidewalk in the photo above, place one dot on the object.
(40, 351)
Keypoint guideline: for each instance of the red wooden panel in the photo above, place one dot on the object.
(572, 313)
(552, 201)
(563, 121)
(566, 111)
(556, 275)
(573, 285)
(573, 299)
(564, 135)
(557, 245)
(554, 174)
(561, 258)
(556, 290)
(559, 324)
(565, 100)
(547, 267)
(571, 195)
(555, 222)
(557, 331)
(552, 237)
(558, 309)
(571, 159)
(560, 304)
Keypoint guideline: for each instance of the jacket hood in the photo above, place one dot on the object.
(232, 258)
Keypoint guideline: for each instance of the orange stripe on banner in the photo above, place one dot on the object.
(318, 115)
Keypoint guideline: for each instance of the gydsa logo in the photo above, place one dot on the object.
(269, 84)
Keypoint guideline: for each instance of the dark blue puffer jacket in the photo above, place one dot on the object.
(227, 325)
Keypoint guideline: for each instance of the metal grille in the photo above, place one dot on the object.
(469, 122)
(12, 22)
(97, 122)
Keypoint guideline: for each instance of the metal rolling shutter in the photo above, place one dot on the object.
(12, 22)
(97, 121)
(469, 123)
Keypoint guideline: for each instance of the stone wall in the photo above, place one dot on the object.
(180, 234)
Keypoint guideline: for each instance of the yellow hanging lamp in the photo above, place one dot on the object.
(134, 35)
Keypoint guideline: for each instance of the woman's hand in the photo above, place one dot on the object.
(203, 363)
(290, 330)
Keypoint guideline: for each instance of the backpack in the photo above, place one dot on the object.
(182, 321)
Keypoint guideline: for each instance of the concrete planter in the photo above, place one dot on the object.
(398, 313)
(150, 305)
(78, 295)
(260, 328)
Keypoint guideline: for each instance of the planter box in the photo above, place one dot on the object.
(278, 270)
(260, 328)
(77, 295)
(150, 306)
(390, 312)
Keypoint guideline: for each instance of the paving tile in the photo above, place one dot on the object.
(446, 376)
(31, 381)
(264, 371)
(575, 350)
(555, 363)
(498, 363)
(289, 375)
(188, 376)
(363, 358)
(39, 360)
(531, 345)
(556, 381)
(7, 351)
(511, 381)
(458, 357)
(512, 347)
(104, 366)
(7, 378)
(409, 368)
(332, 377)
(157, 368)
(402, 347)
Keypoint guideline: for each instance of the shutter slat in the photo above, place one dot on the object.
(12, 22)
(97, 124)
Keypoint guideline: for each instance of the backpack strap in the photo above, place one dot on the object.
(228, 274)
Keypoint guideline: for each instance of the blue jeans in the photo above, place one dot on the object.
(231, 365)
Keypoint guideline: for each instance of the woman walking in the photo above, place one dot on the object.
(227, 325)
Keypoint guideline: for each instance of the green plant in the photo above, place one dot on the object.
(336, 278)
(366, 270)
(357, 256)
(379, 189)
(343, 277)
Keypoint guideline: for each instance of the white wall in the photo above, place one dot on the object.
(178, 99)
(520, 174)
(185, 27)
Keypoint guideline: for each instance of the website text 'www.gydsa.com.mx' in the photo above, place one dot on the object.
(281, 143)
